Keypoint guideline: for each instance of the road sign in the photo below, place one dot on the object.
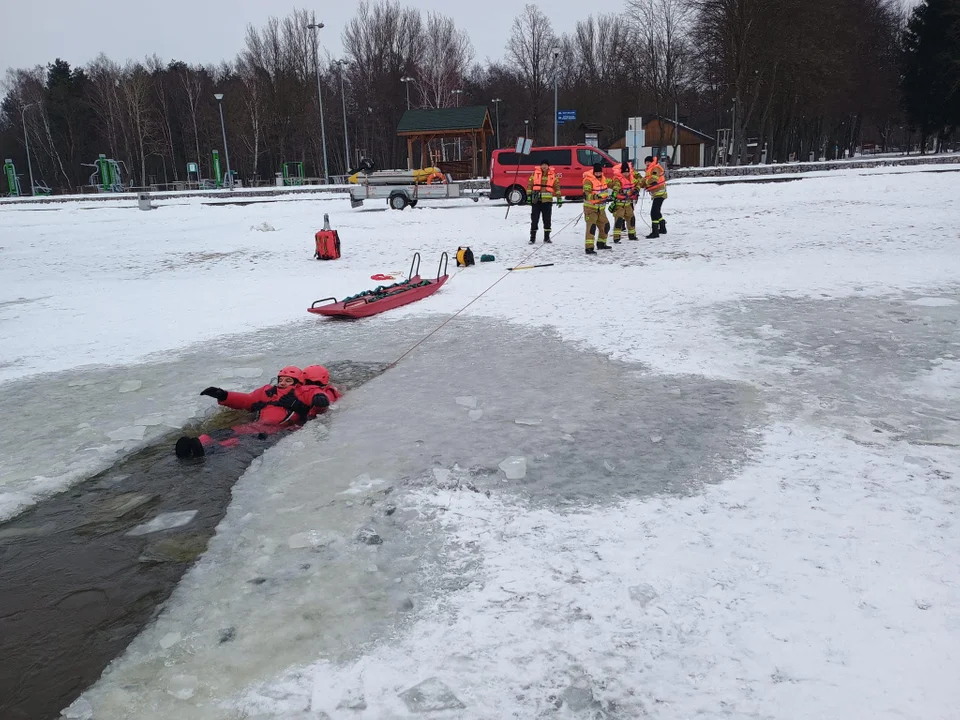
(524, 145)
(566, 115)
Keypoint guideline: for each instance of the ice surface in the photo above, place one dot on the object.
(933, 302)
(183, 687)
(165, 521)
(643, 594)
(514, 467)
(466, 401)
(757, 350)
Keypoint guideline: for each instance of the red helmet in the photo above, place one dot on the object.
(291, 371)
(316, 374)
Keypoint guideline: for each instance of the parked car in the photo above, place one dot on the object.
(509, 171)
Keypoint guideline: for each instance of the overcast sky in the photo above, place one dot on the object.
(207, 31)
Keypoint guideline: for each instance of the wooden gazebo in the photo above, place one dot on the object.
(471, 124)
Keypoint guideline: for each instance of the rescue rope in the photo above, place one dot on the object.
(485, 291)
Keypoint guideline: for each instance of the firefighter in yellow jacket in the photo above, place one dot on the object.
(625, 186)
(542, 187)
(655, 182)
(596, 194)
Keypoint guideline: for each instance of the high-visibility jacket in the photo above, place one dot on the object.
(595, 192)
(655, 180)
(548, 186)
(625, 186)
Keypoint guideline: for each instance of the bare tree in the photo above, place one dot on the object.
(444, 62)
(529, 49)
(192, 86)
(662, 28)
(135, 91)
(162, 112)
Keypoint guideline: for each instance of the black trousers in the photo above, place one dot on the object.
(536, 210)
(655, 215)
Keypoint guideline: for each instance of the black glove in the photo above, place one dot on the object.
(288, 401)
(320, 401)
(215, 392)
(257, 406)
(536, 198)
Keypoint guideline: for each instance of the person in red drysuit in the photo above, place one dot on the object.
(284, 406)
(316, 391)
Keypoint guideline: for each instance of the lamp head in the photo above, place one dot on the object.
(218, 96)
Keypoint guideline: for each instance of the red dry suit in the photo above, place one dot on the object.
(307, 393)
(271, 417)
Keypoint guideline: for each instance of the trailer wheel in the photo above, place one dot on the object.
(516, 195)
(398, 201)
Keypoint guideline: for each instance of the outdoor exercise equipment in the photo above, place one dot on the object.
(293, 173)
(107, 175)
(13, 182)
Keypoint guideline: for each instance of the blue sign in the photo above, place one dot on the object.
(566, 115)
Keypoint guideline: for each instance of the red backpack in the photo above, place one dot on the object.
(328, 242)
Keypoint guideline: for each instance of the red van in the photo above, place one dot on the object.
(509, 172)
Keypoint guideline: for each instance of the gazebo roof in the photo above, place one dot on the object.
(445, 120)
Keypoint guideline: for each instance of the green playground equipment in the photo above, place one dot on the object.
(107, 176)
(13, 182)
(293, 173)
(217, 174)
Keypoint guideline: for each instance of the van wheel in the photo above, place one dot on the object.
(516, 195)
(398, 201)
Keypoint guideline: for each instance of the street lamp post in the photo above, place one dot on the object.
(343, 96)
(458, 93)
(314, 26)
(406, 80)
(556, 74)
(223, 128)
(497, 101)
(26, 142)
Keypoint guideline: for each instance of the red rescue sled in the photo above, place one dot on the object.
(385, 297)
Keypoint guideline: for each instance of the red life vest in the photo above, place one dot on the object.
(546, 187)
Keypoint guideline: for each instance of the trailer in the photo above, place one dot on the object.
(401, 188)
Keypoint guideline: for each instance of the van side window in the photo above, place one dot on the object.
(589, 157)
(507, 158)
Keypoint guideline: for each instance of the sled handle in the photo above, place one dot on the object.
(361, 299)
(322, 300)
(415, 261)
(442, 264)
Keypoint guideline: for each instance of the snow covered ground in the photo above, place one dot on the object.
(740, 442)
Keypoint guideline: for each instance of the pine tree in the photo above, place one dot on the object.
(931, 68)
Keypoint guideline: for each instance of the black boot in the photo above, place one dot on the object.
(603, 246)
(654, 232)
(182, 448)
(546, 237)
(663, 227)
(533, 238)
(591, 251)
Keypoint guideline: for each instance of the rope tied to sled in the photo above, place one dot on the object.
(485, 291)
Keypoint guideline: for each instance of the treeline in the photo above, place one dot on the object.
(792, 76)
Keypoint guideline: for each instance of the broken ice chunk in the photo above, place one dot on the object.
(183, 687)
(169, 640)
(467, 401)
(442, 475)
(642, 594)
(166, 521)
(310, 538)
(514, 467)
(431, 695)
(475, 414)
(130, 386)
(352, 700)
(917, 460)
(609, 466)
(369, 536)
(527, 421)
(81, 709)
(127, 433)
(656, 438)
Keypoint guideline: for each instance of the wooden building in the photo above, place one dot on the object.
(655, 135)
(467, 128)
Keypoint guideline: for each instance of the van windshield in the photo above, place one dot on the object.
(589, 157)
